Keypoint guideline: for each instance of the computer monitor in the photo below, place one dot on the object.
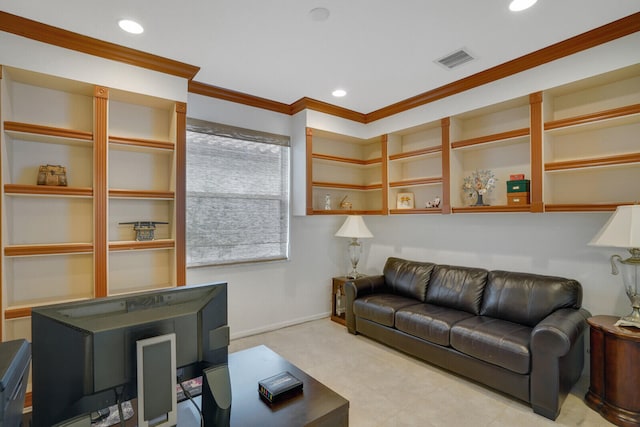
(84, 354)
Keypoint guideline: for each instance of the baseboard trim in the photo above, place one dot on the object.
(276, 326)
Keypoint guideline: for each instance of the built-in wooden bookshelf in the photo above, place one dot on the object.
(348, 170)
(415, 166)
(123, 155)
(576, 144)
(592, 154)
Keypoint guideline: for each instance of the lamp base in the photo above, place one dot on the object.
(634, 317)
(354, 275)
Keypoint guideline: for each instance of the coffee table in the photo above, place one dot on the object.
(316, 406)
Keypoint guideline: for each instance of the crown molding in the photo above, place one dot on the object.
(62, 38)
(325, 107)
(267, 104)
(238, 97)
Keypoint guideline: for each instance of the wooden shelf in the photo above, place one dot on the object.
(415, 153)
(359, 162)
(496, 208)
(34, 129)
(417, 181)
(583, 207)
(346, 212)
(622, 159)
(416, 211)
(17, 313)
(48, 249)
(502, 136)
(47, 190)
(144, 245)
(142, 143)
(141, 194)
(339, 185)
(600, 116)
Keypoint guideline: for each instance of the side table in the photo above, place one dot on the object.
(615, 372)
(338, 300)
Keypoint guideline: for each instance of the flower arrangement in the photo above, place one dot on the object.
(479, 182)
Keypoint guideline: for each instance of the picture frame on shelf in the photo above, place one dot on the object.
(405, 200)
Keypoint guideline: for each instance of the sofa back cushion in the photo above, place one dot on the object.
(407, 278)
(528, 298)
(457, 287)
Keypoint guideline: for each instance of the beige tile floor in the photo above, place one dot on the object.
(386, 388)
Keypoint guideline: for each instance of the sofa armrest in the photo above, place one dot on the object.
(557, 359)
(357, 288)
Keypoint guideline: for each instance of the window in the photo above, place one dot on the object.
(237, 195)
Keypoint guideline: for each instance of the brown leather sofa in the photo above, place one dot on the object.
(519, 333)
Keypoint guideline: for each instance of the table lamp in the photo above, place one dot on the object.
(623, 231)
(354, 228)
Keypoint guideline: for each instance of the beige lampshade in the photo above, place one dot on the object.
(622, 230)
(354, 226)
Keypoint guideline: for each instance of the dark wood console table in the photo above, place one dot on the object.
(615, 371)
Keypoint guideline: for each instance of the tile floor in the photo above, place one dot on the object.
(387, 388)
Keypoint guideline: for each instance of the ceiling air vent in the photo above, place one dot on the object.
(456, 58)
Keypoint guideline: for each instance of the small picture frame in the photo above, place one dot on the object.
(405, 201)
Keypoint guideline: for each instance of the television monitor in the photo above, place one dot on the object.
(15, 357)
(84, 353)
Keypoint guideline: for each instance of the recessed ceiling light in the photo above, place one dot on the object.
(319, 14)
(130, 26)
(518, 5)
(339, 93)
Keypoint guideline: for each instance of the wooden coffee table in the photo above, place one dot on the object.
(316, 406)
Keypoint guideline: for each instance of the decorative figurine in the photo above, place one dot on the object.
(344, 204)
(52, 175)
(327, 202)
(145, 230)
(435, 203)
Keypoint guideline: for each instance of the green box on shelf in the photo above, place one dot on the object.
(519, 186)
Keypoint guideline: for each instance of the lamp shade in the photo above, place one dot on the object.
(622, 230)
(354, 227)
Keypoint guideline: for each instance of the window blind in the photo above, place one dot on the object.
(237, 195)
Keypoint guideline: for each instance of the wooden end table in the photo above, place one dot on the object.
(337, 291)
(615, 371)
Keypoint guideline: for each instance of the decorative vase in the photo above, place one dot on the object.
(480, 201)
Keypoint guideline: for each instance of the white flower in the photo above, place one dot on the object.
(482, 191)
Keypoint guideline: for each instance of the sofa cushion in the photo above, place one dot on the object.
(528, 298)
(380, 308)
(429, 322)
(457, 287)
(494, 341)
(407, 278)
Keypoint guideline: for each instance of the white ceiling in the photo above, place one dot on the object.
(380, 51)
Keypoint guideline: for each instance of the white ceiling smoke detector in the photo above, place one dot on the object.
(319, 14)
